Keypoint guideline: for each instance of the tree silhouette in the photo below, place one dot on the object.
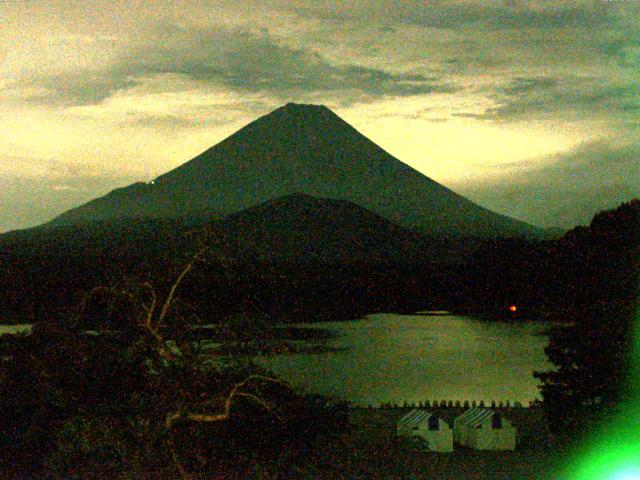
(120, 387)
(600, 288)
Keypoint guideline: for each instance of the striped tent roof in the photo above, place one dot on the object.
(474, 416)
(414, 417)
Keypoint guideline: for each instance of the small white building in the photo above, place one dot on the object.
(484, 429)
(435, 431)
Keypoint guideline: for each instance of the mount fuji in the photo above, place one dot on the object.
(299, 149)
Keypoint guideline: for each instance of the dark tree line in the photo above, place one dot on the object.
(599, 293)
(50, 270)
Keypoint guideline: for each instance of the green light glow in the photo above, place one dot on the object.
(627, 474)
(608, 461)
(614, 453)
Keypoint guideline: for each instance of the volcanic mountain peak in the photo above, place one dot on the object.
(307, 108)
(306, 149)
(298, 124)
(304, 110)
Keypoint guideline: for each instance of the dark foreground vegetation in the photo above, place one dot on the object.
(132, 398)
(296, 258)
(294, 261)
(112, 383)
(599, 297)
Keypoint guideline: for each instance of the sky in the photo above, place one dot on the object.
(529, 108)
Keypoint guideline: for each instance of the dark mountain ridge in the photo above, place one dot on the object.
(308, 249)
(300, 149)
(300, 227)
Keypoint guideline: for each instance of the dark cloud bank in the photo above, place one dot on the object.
(535, 97)
(239, 60)
(566, 191)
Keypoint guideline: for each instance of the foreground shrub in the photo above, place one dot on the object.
(120, 391)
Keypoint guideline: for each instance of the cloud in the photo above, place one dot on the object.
(535, 97)
(474, 37)
(82, 88)
(62, 188)
(480, 14)
(498, 17)
(235, 59)
(565, 190)
(174, 121)
(29, 201)
(57, 170)
(522, 85)
(623, 41)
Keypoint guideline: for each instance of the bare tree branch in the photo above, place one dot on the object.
(176, 284)
(176, 461)
(154, 299)
(228, 403)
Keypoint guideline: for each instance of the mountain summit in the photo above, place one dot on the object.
(299, 149)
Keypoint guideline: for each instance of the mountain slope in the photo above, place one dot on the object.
(300, 149)
(293, 254)
(304, 228)
(308, 257)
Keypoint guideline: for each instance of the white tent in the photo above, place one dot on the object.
(484, 429)
(435, 431)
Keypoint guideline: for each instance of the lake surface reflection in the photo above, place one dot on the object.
(14, 329)
(397, 358)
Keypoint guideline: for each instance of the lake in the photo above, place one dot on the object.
(397, 358)
(14, 329)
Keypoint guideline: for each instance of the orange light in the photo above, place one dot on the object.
(512, 308)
